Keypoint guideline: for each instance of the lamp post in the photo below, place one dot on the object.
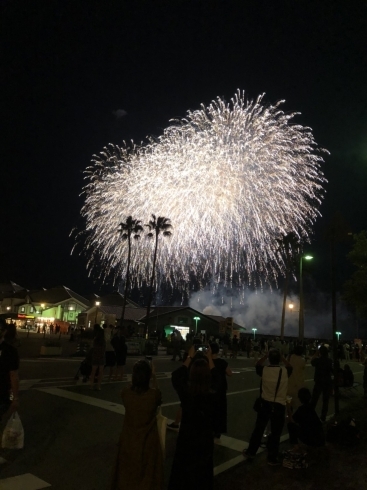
(196, 318)
(301, 321)
(254, 330)
(95, 318)
(338, 335)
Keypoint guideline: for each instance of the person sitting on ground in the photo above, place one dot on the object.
(139, 463)
(348, 376)
(221, 397)
(304, 425)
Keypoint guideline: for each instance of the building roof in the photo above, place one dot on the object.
(131, 314)
(9, 287)
(115, 299)
(57, 295)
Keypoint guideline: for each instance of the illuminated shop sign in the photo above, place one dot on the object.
(25, 316)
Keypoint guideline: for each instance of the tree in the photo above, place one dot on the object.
(131, 228)
(355, 289)
(157, 226)
(289, 246)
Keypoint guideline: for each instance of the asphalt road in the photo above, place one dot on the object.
(71, 433)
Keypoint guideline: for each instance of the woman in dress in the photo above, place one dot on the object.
(193, 461)
(296, 380)
(139, 464)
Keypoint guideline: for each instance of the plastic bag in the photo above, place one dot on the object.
(162, 428)
(13, 435)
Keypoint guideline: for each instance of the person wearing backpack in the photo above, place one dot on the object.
(270, 405)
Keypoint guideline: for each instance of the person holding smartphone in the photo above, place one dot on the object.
(196, 382)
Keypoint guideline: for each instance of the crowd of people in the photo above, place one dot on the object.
(201, 386)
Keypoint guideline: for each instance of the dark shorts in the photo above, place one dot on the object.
(110, 358)
(120, 359)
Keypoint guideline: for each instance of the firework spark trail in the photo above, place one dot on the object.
(232, 177)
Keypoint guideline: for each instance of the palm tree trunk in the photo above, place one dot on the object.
(127, 281)
(285, 293)
(151, 285)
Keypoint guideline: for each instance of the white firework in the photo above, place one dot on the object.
(233, 178)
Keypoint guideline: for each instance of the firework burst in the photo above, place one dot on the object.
(233, 178)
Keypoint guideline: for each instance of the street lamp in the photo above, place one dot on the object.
(196, 318)
(97, 304)
(254, 330)
(301, 321)
(338, 334)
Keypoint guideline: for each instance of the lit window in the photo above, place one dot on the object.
(22, 309)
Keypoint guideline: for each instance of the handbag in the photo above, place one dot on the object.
(13, 435)
(162, 428)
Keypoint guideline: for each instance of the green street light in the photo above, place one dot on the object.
(254, 330)
(196, 318)
(338, 334)
(301, 319)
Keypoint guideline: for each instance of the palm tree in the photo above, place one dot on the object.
(157, 226)
(131, 228)
(289, 245)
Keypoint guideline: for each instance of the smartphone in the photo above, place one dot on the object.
(201, 348)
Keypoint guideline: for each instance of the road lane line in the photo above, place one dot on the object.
(89, 400)
(23, 482)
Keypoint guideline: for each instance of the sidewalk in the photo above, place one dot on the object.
(30, 347)
(343, 468)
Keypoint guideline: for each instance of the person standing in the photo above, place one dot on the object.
(9, 379)
(195, 382)
(109, 350)
(235, 347)
(248, 347)
(220, 424)
(176, 345)
(297, 379)
(346, 351)
(226, 341)
(139, 463)
(323, 379)
(98, 356)
(119, 344)
(272, 402)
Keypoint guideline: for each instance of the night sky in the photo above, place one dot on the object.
(67, 65)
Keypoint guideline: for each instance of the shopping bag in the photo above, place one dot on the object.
(13, 435)
(162, 428)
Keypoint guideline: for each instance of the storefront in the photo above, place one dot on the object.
(25, 322)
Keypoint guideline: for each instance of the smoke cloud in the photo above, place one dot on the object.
(263, 310)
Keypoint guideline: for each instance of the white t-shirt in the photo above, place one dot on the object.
(269, 377)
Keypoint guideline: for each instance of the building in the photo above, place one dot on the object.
(33, 309)
(187, 320)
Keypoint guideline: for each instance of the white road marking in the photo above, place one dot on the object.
(23, 482)
(89, 400)
(26, 384)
